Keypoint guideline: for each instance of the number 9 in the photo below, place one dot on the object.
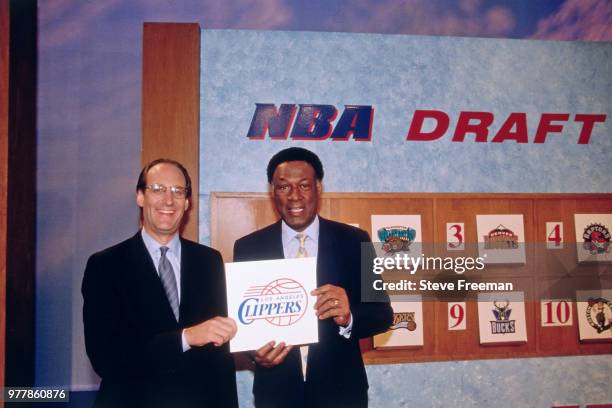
(457, 313)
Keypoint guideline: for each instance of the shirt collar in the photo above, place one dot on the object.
(153, 246)
(312, 231)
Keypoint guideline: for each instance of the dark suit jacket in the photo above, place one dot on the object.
(335, 372)
(133, 339)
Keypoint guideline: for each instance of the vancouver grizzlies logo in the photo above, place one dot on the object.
(502, 323)
(596, 239)
(599, 314)
(404, 320)
(396, 239)
(282, 302)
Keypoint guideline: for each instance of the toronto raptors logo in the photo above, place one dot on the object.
(599, 314)
(282, 302)
(596, 239)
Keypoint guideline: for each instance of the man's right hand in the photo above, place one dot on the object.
(218, 331)
(270, 356)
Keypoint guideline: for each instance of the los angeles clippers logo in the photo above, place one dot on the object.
(596, 239)
(282, 302)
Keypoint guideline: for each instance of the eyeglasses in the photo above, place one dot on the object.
(160, 189)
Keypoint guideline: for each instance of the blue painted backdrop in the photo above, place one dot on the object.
(398, 75)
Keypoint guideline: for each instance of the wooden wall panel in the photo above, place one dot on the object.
(171, 101)
(236, 214)
(357, 210)
(4, 100)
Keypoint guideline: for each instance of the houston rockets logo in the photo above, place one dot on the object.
(282, 302)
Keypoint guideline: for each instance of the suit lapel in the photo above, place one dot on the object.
(276, 242)
(188, 274)
(326, 268)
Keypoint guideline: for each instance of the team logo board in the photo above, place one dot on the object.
(501, 238)
(270, 300)
(501, 318)
(398, 234)
(594, 314)
(593, 237)
(407, 327)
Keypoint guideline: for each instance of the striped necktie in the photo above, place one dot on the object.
(166, 273)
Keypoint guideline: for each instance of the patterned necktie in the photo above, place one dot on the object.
(302, 253)
(166, 273)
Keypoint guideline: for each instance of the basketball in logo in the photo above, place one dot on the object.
(287, 289)
(281, 302)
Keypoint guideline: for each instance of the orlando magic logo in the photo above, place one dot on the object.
(397, 238)
(502, 323)
(282, 302)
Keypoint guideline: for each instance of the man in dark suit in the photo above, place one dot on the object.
(335, 375)
(154, 305)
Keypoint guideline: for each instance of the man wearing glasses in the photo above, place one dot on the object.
(154, 308)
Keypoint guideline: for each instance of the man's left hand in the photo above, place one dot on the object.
(332, 302)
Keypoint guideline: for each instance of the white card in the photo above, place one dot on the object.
(501, 317)
(593, 237)
(455, 236)
(270, 300)
(457, 316)
(594, 314)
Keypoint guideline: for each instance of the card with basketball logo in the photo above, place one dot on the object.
(593, 237)
(270, 300)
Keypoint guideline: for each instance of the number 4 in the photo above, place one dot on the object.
(554, 235)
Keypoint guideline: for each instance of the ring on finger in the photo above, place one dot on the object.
(336, 302)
